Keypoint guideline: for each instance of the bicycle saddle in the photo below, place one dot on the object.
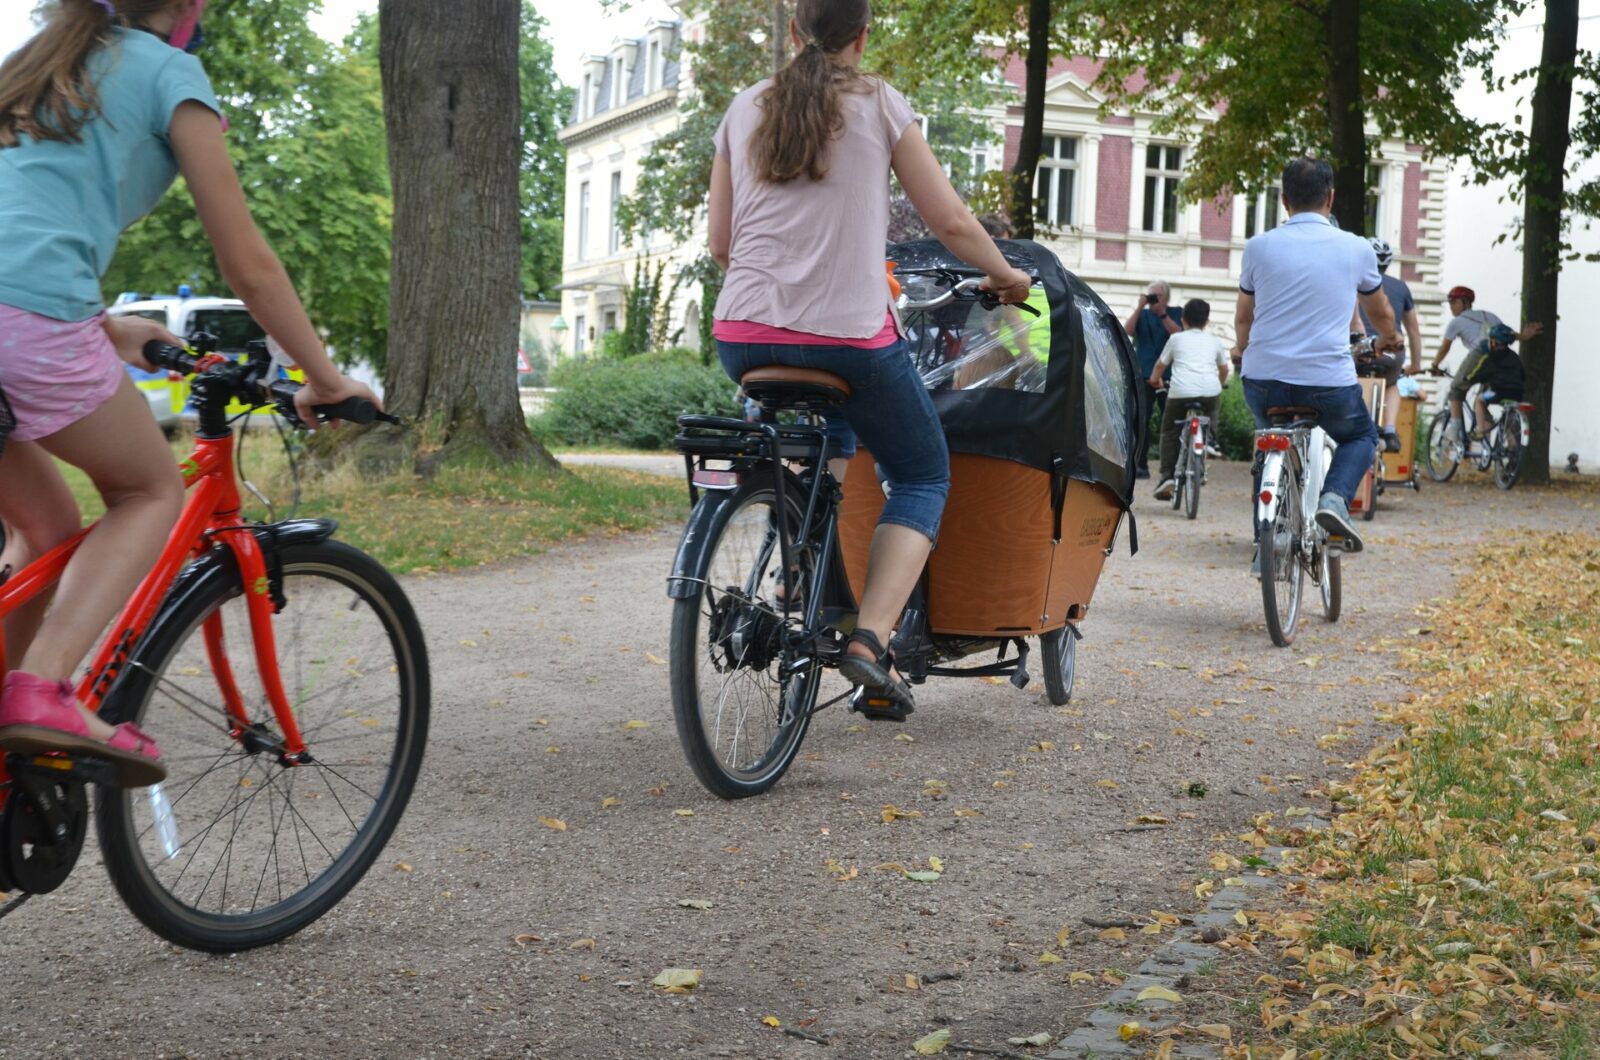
(782, 386)
(1281, 414)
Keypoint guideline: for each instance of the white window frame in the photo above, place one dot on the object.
(1375, 200)
(614, 237)
(583, 220)
(1159, 183)
(580, 332)
(619, 83)
(1262, 206)
(1051, 166)
(652, 72)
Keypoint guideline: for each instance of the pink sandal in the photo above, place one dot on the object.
(37, 715)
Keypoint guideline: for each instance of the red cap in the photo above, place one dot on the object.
(1463, 293)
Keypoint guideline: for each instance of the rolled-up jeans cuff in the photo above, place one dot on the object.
(910, 523)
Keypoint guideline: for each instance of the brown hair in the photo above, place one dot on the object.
(45, 90)
(801, 112)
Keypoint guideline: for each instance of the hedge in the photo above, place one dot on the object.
(633, 403)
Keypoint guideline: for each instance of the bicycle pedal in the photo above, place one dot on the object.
(879, 708)
(56, 766)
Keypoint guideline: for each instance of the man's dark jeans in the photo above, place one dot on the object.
(1342, 413)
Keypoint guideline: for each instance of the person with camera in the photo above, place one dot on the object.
(1152, 322)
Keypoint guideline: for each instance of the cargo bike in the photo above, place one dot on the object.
(1043, 417)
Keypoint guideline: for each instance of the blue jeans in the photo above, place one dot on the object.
(1342, 412)
(889, 411)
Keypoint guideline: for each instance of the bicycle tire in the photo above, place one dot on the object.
(1331, 583)
(743, 628)
(1282, 575)
(1437, 456)
(1371, 489)
(1509, 451)
(379, 647)
(1060, 650)
(1191, 485)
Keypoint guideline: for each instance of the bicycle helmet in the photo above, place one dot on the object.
(1384, 251)
(1502, 334)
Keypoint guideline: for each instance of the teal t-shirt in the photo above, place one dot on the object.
(63, 206)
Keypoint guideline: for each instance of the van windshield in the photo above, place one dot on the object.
(234, 328)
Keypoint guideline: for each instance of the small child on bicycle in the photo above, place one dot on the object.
(1495, 368)
(99, 112)
(1199, 368)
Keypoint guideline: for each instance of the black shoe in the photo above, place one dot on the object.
(878, 695)
(1391, 441)
(1143, 472)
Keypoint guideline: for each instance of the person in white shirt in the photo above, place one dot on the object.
(1199, 368)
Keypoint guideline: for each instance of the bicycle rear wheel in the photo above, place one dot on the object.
(1282, 575)
(1443, 454)
(262, 849)
(1191, 485)
(740, 718)
(1331, 581)
(1509, 452)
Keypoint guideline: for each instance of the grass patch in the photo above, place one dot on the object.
(462, 518)
(1457, 902)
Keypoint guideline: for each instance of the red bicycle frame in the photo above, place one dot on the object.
(211, 513)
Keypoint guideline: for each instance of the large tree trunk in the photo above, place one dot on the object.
(451, 109)
(1346, 114)
(1543, 194)
(1037, 64)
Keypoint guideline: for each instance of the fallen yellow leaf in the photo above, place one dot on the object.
(1159, 993)
(636, 724)
(554, 823)
(772, 1021)
(681, 812)
(678, 980)
(930, 1044)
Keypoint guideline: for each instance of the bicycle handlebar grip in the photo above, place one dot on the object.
(172, 358)
(351, 410)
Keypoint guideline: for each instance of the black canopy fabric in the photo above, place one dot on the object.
(1058, 392)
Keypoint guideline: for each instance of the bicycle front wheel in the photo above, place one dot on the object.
(1282, 575)
(740, 716)
(1331, 581)
(1191, 485)
(1443, 453)
(1509, 452)
(257, 849)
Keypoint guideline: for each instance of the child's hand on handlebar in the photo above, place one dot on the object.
(1010, 286)
(129, 334)
(342, 389)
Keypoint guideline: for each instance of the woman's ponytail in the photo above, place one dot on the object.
(802, 111)
(45, 91)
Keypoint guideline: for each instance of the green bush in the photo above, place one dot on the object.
(1235, 426)
(633, 403)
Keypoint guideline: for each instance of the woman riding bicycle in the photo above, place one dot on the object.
(98, 113)
(799, 212)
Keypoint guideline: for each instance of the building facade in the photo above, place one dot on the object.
(1106, 195)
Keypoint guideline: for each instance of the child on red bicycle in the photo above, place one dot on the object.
(98, 113)
(1199, 368)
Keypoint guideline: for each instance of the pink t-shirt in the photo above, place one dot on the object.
(807, 256)
(745, 331)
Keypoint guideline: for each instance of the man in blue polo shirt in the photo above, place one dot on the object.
(1152, 322)
(1298, 288)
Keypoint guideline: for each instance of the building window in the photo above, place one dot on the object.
(583, 220)
(653, 70)
(619, 84)
(1374, 200)
(1055, 182)
(1261, 211)
(608, 323)
(580, 333)
(614, 239)
(1163, 168)
(586, 101)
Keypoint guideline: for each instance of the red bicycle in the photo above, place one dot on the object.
(290, 764)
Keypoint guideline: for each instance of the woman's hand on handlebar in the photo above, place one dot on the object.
(1010, 286)
(128, 336)
(343, 388)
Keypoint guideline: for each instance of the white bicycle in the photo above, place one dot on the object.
(1294, 454)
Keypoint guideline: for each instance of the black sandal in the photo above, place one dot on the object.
(878, 695)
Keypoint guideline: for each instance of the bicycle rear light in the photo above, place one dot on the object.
(714, 479)
(1526, 406)
(1266, 496)
(1268, 443)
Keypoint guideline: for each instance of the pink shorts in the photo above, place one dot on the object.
(54, 373)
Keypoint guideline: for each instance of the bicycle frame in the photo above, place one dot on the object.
(1311, 446)
(211, 512)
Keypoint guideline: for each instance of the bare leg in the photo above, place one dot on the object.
(894, 564)
(1481, 411)
(1391, 407)
(121, 449)
(39, 512)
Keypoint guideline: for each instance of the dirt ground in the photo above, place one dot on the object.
(538, 665)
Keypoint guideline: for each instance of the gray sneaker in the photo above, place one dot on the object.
(1165, 490)
(1333, 515)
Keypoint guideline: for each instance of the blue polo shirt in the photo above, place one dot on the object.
(1150, 337)
(1305, 275)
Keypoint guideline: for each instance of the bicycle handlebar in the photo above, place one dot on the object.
(988, 299)
(246, 382)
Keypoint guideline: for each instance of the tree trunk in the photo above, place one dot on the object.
(780, 31)
(1037, 64)
(1346, 114)
(1543, 195)
(452, 112)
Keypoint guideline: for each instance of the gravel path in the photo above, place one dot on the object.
(1177, 686)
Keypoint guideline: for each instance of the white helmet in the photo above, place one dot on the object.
(1384, 251)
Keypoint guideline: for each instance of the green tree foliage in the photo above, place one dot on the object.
(1268, 66)
(546, 102)
(306, 134)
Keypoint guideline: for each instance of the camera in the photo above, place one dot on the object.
(1149, 299)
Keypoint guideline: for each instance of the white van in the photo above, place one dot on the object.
(183, 314)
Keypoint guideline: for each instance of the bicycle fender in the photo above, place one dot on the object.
(1267, 511)
(693, 558)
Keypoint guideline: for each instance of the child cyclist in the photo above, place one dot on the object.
(1199, 368)
(98, 113)
(799, 212)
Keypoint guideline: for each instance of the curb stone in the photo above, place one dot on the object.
(1172, 963)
